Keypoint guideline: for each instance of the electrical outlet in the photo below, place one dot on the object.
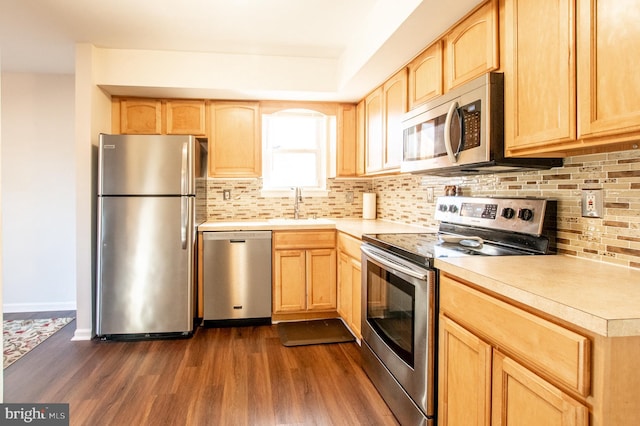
(349, 197)
(429, 195)
(592, 203)
(226, 194)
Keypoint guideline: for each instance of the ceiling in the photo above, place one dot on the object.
(367, 39)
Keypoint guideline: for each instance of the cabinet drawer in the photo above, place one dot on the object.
(304, 239)
(555, 352)
(349, 245)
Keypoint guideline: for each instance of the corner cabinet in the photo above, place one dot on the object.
(304, 273)
(350, 282)
(383, 112)
(235, 146)
(471, 47)
(571, 85)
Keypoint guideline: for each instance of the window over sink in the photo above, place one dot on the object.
(295, 144)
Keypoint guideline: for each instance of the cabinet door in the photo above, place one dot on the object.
(360, 139)
(289, 281)
(464, 377)
(373, 131)
(521, 397)
(539, 78)
(235, 148)
(345, 291)
(347, 149)
(141, 116)
(472, 46)
(608, 58)
(356, 295)
(425, 75)
(185, 117)
(321, 279)
(394, 94)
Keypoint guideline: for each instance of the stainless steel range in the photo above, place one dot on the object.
(400, 289)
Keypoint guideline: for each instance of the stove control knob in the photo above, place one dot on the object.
(525, 214)
(508, 213)
(453, 208)
(443, 207)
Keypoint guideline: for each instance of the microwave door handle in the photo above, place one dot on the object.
(453, 109)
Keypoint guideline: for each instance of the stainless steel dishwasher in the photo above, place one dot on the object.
(237, 278)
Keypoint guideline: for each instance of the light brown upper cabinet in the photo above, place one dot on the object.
(608, 55)
(347, 149)
(360, 139)
(471, 47)
(552, 109)
(185, 117)
(137, 116)
(425, 75)
(394, 92)
(235, 147)
(158, 116)
(539, 66)
(373, 131)
(384, 109)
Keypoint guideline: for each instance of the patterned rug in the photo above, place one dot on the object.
(20, 336)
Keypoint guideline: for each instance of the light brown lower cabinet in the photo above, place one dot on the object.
(481, 386)
(349, 282)
(304, 272)
(501, 364)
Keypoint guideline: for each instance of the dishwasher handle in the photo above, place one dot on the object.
(236, 236)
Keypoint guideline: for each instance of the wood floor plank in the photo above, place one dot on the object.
(221, 376)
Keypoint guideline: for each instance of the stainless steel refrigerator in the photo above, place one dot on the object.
(149, 190)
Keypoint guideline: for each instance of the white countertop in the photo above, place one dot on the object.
(598, 297)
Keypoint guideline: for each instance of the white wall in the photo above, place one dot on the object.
(38, 192)
(1, 291)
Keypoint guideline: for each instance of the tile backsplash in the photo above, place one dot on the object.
(614, 238)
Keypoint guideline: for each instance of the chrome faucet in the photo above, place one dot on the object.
(298, 200)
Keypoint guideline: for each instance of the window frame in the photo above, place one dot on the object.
(329, 111)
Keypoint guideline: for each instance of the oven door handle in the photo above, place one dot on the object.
(391, 264)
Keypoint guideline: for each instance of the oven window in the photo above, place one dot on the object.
(390, 310)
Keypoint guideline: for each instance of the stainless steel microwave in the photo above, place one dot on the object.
(462, 133)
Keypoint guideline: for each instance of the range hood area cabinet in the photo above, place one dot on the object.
(140, 116)
(571, 84)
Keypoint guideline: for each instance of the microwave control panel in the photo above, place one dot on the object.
(470, 125)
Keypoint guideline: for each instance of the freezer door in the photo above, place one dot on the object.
(145, 265)
(146, 165)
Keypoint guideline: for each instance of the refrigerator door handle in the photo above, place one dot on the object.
(183, 174)
(184, 220)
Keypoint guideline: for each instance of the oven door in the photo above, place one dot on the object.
(398, 321)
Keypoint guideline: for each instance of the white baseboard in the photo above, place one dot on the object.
(82, 334)
(10, 308)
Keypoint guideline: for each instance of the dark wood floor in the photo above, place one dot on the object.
(221, 376)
